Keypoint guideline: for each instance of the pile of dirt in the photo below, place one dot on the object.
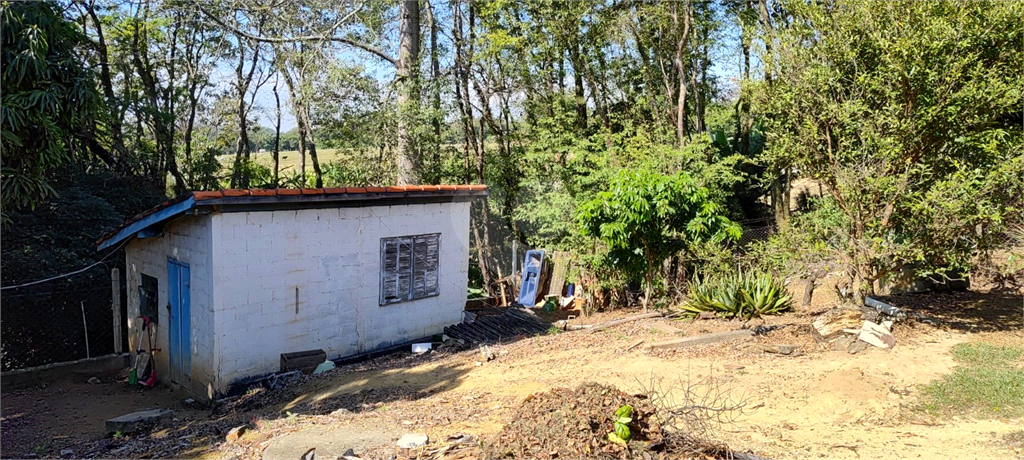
(567, 423)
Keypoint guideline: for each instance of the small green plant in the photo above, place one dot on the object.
(988, 381)
(553, 330)
(623, 417)
(743, 295)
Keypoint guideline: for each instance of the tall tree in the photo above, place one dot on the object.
(50, 101)
(909, 114)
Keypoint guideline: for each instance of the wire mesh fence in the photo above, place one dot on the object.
(61, 320)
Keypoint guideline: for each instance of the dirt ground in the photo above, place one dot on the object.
(814, 403)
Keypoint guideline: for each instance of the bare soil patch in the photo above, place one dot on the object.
(814, 402)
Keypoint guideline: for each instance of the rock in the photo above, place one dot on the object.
(94, 380)
(324, 367)
(341, 412)
(68, 453)
(235, 433)
(129, 422)
(411, 440)
(831, 323)
(703, 339)
(877, 335)
(843, 343)
(856, 347)
(664, 328)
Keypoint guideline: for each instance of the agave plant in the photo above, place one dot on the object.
(743, 295)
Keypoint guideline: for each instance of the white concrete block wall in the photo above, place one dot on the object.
(333, 257)
(187, 240)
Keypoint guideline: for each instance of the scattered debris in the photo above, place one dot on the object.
(342, 412)
(324, 367)
(606, 325)
(129, 422)
(857, 346)
(703, 339)
(235, 433)
(305, 361)
(575, 423)
(635, 344)
(877, 335)
(94, 380)
(778, 349)
(665, 328)
(67, 453)
(421, 347)
(706, 315)
(512, 322)
(885, 309)
(486, 353)
(412, 440)
(831, 323)
(189, 401)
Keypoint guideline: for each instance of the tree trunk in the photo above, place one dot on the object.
(277, 137)
(307, 133)
(435, 89)
(681, 68)
(581, 100)
(106, 82)
(406, 71)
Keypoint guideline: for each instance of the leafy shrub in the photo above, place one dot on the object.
(745, 295)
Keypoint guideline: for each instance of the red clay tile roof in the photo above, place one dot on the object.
(382, 192)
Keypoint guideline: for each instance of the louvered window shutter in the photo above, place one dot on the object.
(389, 292)
(409, 267)
(425, 265)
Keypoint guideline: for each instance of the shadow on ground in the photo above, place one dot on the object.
(358, 388)
(967, 311)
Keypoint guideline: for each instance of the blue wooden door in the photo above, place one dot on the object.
(179, 321)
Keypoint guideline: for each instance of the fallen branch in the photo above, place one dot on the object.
(606, 325)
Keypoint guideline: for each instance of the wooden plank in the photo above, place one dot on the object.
(704, 339)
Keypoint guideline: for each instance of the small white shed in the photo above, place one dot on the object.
(235, 278)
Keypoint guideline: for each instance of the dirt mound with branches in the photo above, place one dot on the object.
(575, 423)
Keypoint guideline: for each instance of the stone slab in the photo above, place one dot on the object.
(412, 440)
(703, 339)
(129, 422)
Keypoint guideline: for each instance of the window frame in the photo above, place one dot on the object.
(149, 292)
(418, 249)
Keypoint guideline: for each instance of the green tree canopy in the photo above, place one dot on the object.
(49, 98)
(909, 114)
(646, 217)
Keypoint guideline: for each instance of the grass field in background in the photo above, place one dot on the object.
(290, 158)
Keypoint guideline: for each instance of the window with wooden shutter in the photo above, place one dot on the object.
(409, 267)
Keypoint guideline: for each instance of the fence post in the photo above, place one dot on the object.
(85, 327)
(115, 286)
